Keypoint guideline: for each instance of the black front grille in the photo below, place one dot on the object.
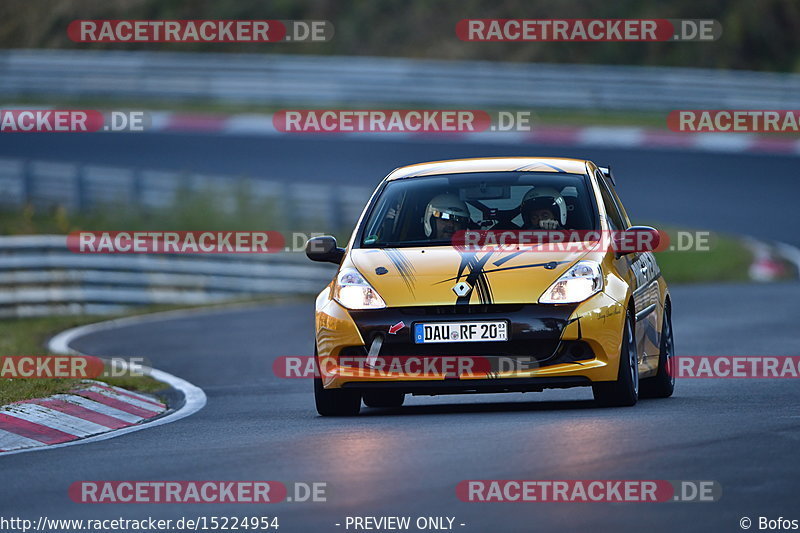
(534, 331)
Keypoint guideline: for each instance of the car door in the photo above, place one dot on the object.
(642, 275)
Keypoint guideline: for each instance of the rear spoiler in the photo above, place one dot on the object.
(608, 175)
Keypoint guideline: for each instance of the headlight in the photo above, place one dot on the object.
(575, 285)
(353, 291)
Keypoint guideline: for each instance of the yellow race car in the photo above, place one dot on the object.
(413, 298)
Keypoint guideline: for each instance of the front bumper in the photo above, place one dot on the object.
(549, 346)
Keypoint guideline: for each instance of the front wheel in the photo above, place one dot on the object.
(625, 390)
(334, 402)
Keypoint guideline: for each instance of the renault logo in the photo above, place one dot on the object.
(461, 289)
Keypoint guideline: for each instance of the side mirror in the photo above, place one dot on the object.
(324, 249)
(636, 239)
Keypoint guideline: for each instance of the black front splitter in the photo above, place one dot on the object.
(471, 386)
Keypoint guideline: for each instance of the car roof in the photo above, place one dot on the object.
(491, 164)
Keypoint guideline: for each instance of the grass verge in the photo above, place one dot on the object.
(27, 336)
(726, 259)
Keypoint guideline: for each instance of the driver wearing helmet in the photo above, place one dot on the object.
(543, 208)
(445, 215)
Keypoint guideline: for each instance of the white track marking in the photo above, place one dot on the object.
(53, 419)
(12, 441)
(98, 407)
(597, 135)
(148, 399)
(790, 253)
(723, 142)
(147, 406)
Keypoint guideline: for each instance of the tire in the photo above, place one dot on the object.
(623, 392)
(334, 402)
(662, 385)
(384, 398)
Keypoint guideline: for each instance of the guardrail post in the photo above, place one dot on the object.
(289, 212)
(137, 188)
(337, 220)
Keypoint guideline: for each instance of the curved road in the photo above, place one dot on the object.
(743, 434)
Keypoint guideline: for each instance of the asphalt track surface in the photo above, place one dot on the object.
(743, 434)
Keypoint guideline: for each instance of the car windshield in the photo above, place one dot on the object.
(426, 211)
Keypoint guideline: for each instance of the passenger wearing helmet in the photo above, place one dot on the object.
(543, 208)
(445, 215)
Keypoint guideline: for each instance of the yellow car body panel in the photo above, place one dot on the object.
(418, 277)
(425, 276)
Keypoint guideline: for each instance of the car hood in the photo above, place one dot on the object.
(429, 276)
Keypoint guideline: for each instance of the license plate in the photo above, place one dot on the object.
(425, 333)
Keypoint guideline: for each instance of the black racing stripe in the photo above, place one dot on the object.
(484, 289)
(476, 277)
(484, 286)
(555, 168)
(403, 266)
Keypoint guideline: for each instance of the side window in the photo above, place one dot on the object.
(621, 208)
(615, 218)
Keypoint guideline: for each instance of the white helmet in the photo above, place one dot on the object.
(546, 198)
(445, 206)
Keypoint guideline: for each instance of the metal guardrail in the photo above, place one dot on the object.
(79, 187)
(39, 276)
(331, 80)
